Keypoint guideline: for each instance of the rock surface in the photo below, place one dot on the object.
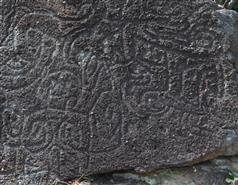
(221, 171)
(93, 86)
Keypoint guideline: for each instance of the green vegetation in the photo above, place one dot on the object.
(236, 7)
(232, 178)
(221, 2)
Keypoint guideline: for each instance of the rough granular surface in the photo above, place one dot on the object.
(92, 86)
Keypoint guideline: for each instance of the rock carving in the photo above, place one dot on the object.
(91, 86)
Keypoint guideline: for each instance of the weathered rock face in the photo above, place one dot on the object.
(221, 171)
(90, 86)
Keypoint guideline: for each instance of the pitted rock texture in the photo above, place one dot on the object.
(91, 86)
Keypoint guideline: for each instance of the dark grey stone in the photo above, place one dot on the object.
(92, 86)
